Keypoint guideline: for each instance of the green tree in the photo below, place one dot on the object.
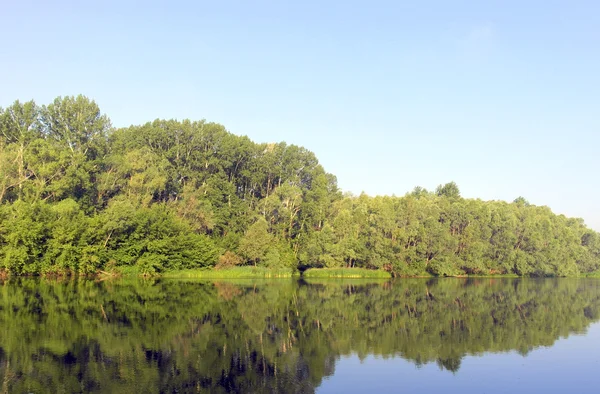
(254, 245)
(449, 190)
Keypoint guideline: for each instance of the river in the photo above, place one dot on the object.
(479, 335)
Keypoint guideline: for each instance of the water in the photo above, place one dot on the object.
(472, 336)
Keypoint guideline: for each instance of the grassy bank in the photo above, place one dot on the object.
(237, 272)
(260, 272)
(345, 273)
(595, 274)
(490, 276)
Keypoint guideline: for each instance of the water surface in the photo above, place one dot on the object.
(467, 335)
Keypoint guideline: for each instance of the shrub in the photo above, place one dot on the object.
(228, 260)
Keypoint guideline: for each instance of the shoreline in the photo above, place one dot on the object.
(251, 272)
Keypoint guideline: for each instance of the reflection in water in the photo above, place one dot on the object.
(268, 336)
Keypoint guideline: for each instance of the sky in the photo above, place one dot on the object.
(501, 97)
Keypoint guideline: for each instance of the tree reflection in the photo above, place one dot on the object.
(275, 336)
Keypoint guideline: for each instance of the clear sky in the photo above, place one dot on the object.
(502, 97)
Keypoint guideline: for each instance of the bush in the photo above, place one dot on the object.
(228, 260)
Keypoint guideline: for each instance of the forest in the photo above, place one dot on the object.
(78, 196)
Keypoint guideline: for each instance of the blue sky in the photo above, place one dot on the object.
(502, 97)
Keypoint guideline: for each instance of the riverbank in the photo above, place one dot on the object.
(345, 273)
(237, 273)
(595, 274)
(260, 272)
(251, 272)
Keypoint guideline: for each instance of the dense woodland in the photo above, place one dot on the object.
(283, 336)
(79, 196)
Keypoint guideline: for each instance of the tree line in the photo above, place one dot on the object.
(80, 196)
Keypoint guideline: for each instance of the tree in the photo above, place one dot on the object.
(77, 123)
(418, 191)
(255, 243)
(20, 123)
(449, 190)
(521, 201)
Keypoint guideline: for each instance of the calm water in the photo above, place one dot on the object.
(472, 336)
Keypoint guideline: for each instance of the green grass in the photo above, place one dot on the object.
(345, 273)
(491, 276)
(595, 274)
(415, 275)
(120, 272)
(237, 272)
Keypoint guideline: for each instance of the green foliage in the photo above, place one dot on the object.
(256, 242)
(280, 256)
(595, 274)
(228, 260)
(79, 197)
(24, 228)
(449, 190)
